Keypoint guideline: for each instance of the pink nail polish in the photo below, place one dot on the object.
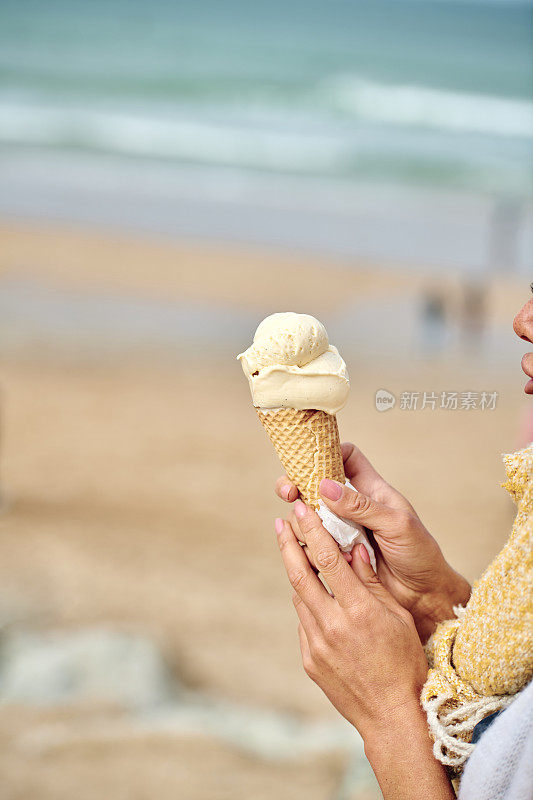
(287, 492)
(300, 509)
(278, 524)
(330, 489)
(363, 554)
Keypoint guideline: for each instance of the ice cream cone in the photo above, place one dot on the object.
(307, 443)
(298, 383)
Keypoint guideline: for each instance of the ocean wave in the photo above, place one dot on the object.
(428, 107)
(267, 138)
(160, 136)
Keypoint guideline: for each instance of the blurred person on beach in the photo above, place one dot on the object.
(367, 642)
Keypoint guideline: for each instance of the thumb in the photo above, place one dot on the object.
(363, 569)
(347, 502)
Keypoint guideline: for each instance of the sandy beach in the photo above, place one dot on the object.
(138, 496)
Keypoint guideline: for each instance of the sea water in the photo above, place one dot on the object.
(302, 99)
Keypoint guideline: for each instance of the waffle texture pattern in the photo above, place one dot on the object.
(307, 443)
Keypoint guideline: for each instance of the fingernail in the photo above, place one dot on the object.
(363, 554)
(278, 524)
(300, 509)
(330, 489)
(286, 491)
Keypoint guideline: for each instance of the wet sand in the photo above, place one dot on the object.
(252, 277)
(138, 494)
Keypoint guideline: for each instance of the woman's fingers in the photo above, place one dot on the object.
(366, 479)
(295, 525)
(363, 569)
(307, 620)
(286, 490)
(358, 507)
(328, 559)
(299, 571)
(307, 659)
(347, 557)
(359, 470)
(300, 535)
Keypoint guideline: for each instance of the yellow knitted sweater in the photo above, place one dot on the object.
(481, 659)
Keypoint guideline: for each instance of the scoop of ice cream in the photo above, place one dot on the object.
(292, 365)
(286, 338)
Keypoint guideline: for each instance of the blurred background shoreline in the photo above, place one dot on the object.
(427, 228)
(293, 124)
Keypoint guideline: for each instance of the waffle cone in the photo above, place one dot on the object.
(307, 443)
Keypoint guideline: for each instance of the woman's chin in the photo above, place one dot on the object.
(528, 389)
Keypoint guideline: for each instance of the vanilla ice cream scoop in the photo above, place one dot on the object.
(292, 365)
(287, 338)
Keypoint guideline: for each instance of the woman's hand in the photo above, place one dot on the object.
(362, 649)
(409, 561)
(358, 644)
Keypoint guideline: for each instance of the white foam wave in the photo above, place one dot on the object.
(278, 140)
(137, 134)
(421, 106)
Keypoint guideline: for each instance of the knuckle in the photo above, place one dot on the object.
(309, 666)
(327, 558)
(409, 508)
(297, 577)
(305, 523)
(318, 649)
(373, 580)
(358, 503)
(359, 614)
(297, 600)
(310, 522)
(406, 520)
(332, 632)
(283, 539)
